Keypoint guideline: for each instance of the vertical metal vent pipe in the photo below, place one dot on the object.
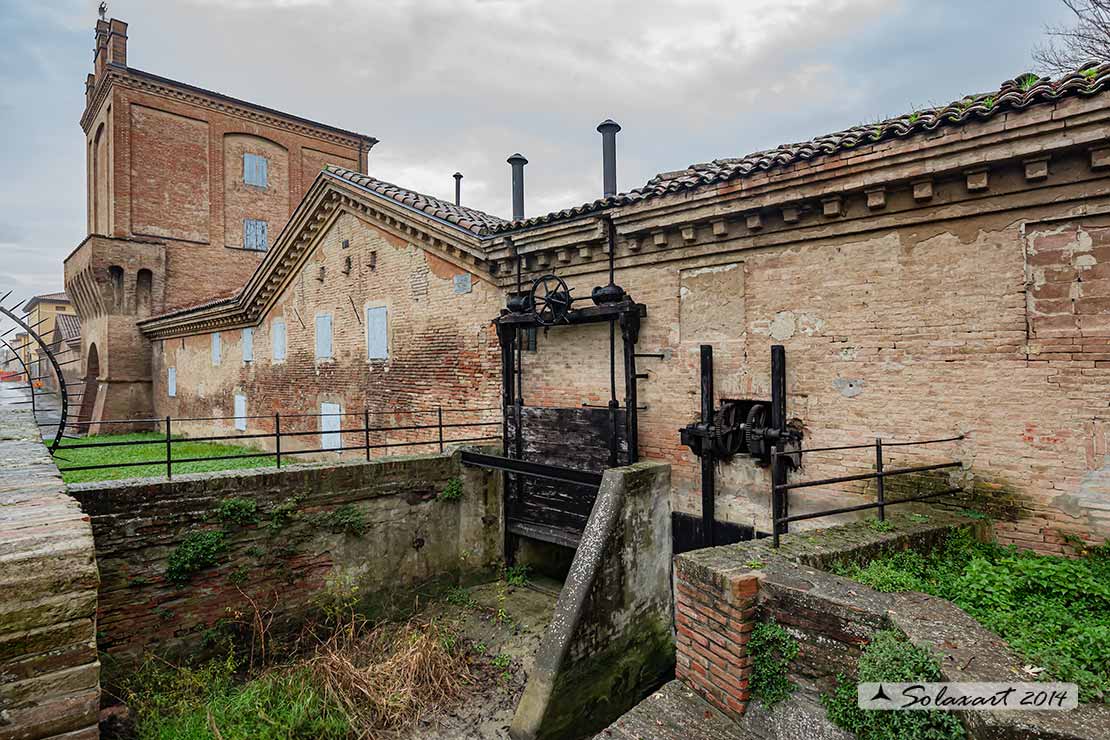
(458, 188)
(518, 161)
(609, 129)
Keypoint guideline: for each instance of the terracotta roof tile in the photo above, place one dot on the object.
(68, 326)
(1012, 95)
(471, 219)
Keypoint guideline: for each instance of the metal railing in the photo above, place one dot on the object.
(780, 519)
(438, 439)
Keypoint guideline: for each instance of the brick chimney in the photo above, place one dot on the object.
(100, 56)
(117, 42)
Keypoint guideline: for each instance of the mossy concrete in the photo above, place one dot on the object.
(611, 640)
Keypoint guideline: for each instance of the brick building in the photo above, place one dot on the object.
(187, 189)
(939, 274)
(43, 312)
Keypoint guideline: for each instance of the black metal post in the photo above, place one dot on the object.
(879, 481)
(630, 333)
(439, 411)
(778, 423)
(614, 404)
(776, 496)
(708, 469)
(366, 431)
(169, 452)
(277, 438)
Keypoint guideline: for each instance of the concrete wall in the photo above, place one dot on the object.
(315, 536)
(442, 348)
(49, 672)
(610, 641)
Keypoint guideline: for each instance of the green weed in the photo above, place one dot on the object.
(198, 551)
(771, 649)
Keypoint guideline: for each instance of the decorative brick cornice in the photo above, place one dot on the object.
(134, 79)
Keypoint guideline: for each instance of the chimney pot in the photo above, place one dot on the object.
(608, 129)
(518, 161)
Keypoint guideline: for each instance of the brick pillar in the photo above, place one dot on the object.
(714, 617)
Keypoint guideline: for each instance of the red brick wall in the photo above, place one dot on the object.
(714, 617)
(442, 347)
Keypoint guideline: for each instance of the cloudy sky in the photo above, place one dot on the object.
(452, 85)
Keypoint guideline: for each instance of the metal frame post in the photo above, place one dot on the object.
(879, 480)
(630, 333)
(778, 423)
(439, 412)
(708, 470)
(277, 438)
(169, 451)
(366, 431)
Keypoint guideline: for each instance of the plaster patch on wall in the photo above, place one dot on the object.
(849, 353)
(809, 324)
(783, 325)
(711, 303)
(848, 387)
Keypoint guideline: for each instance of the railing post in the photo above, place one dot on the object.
(439, 411)
(366, 431)
(277, 438)
(169, 451)
(879, 480)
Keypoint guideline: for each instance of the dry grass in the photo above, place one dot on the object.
(387, 677)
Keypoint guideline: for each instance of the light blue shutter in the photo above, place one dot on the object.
(330, 436)
(241, 413)
(263, 237)
(254, 235)
(216, 348)
(248, 344)
(323, 336)
(377, 333)
(171, 382)
(279, 339)
(255, 170)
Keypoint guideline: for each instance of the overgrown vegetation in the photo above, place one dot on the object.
(359, 682)
(238, 511)
(771, 649)
(453, 491)
(346, 519)
(890, 657)
(199, 550)
(154, 453)
(517, 575)
(1055, 611)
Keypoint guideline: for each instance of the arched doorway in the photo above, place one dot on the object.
(88, 399)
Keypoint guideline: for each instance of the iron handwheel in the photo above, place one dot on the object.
(550, 299)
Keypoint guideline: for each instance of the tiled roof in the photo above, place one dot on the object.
(1013, 95)
(475, 221)
(56, 297)
(68, 326)
(224, 300)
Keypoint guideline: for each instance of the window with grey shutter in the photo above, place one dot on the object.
(323, 336)
(331, 438)
(377, 333)
(171, 382)
(215, 348)
(248, 344)
(241, 413)
(254, 235)
(278, 332)
(255, 170)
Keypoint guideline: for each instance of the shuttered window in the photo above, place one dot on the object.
(255, 170)
(241, 413)
(248, 345)
(215, 348)
(277, 332)
(323, 336)
(254, 235)
(330, 436)
(377, 333)
(171, 382)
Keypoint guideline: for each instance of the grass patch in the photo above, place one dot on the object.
(1054, 611)
(156, 453)
(890, 657)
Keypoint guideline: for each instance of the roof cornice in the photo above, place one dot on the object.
(135, 79)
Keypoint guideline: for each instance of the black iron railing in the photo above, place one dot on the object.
(438, 435)
(780, 519)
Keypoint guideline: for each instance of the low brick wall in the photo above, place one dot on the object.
(610, 640)
(723, 592)
(49, 673)
(304, 538)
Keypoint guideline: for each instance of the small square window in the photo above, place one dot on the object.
(255, 170)
(254, 235)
